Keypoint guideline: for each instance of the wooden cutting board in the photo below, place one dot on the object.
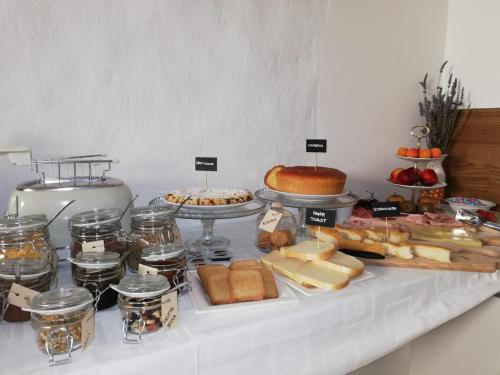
(459, 262)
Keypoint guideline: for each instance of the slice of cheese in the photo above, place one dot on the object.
(432, 252)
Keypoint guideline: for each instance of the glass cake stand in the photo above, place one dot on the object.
(209, 245)
(303, 202)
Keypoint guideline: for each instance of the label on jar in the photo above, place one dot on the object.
(88, 328)
(21, 296)
(270, 221)
(147, 270)
(93, 247)
(169, 310)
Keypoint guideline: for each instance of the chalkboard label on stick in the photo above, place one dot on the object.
(386, 209)
(205, 164)
(315, 145)
(320, 217)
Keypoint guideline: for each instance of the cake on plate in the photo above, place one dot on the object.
(306, 180)
(209, 196)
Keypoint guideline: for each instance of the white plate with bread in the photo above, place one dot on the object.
(244, 286)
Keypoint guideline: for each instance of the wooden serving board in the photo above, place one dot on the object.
(459, 262)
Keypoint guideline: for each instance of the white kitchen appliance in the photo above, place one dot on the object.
(60, 180)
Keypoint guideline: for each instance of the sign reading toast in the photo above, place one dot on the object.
(320, 217)
(205, 164)
(385, 209)
(315, 145)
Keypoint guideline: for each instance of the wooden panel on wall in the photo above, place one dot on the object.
(473, 162)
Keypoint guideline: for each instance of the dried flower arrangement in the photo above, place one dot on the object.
(440, 111)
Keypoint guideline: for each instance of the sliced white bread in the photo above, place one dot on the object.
(269, 259)
(344, 263)
(310, 250)
(400, 251)
(321, 277)
(325, 234)
(281, 264)
(432, 252)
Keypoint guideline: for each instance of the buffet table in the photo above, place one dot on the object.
(331, 333)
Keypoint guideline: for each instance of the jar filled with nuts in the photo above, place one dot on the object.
(150, 226)
(139, 299)
(97, 231)
(170, 260)
(32, 273)
(57, 317)
(284, 233)
(96, 272)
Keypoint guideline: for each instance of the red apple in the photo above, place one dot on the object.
(412, 174)
(428, 177)
(403, 178)
(394, 174)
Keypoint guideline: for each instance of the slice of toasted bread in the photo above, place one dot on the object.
(309, 250)
(218, 287)
(270, 288)
(344, 263)
(205, 270)
(246, 285)
(245, 264)
(270, 179)
(321, 277)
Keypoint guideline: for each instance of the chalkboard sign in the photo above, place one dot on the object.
(205, 164)
(315, 145)
(385, 209)
(320, 217)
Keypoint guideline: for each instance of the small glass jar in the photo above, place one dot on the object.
(139, 300)
(150, 226)
(30, 273)
(283, 235)
(102, 228)
(56, 317)
(170, 260)
(96, 272)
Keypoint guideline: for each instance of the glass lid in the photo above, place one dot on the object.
(96, 217)
(150, 212)
(163, 251)
(22, 267)
(136, 285)
(62, 300)
(106, 259)
(23, 223)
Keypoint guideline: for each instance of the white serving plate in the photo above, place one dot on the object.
(486, 205)
(308, 196)
(309, 292)
(202, 305)
(416, 160)
(438, 185)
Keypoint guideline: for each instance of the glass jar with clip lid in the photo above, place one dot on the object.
(139, 299)
(97, 231)
(150, 226)
(57, 317)
(170, 260)
(96, 271)
(32, 273)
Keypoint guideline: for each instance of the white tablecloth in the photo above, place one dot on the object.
(332, 333)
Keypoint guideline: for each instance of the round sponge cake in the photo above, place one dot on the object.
(306, 180)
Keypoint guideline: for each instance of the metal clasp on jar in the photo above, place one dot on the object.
(50, 347)
(127, 332)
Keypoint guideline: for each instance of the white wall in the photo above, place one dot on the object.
(472, 47)
(373, 55)
(154, 83)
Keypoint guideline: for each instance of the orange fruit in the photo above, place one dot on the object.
(402, 151)
(412, 153)
(435, 152)
(424, 153)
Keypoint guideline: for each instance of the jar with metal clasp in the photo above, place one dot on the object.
(96, 271)
(57, 317)
(170, 260)
(139, 299)
(32, 273)
(150, 226)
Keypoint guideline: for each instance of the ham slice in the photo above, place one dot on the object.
(440, 220)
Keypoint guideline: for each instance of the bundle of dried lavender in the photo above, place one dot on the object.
(441, 110)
